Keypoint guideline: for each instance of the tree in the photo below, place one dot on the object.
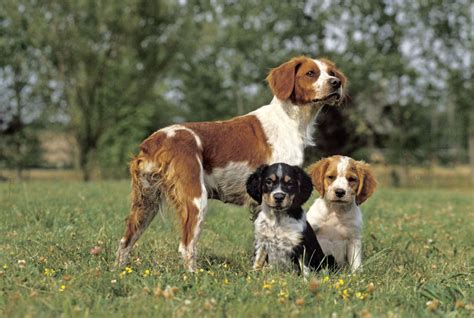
(21, 108)
(108, 59)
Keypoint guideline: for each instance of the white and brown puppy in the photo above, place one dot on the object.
(283, 237)
(189, 163)
(344, 184)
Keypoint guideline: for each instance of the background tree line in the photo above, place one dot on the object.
(108, 73)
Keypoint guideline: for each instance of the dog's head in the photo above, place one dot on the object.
(280, 186)
(308, 81)
(341, 180)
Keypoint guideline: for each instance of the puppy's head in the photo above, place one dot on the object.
(308, 81)
(342, 180)
(279, 186)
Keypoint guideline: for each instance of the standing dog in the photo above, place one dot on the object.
(344, 184)
(189, 163)
(283, 237)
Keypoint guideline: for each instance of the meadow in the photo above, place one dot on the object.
(58, 242)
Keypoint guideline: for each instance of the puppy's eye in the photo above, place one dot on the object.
(311, 74)
(352, 179)
(331, 73)
(331, 177)
(269, 182)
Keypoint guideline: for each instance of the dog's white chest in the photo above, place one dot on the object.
(334, 232)
(283, 135)
(279, 236)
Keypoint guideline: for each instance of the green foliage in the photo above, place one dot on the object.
(20, 150)
(113, 72)
(415, 250)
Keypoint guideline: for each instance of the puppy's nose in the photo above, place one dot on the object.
(279, 197)
(335, 82)
(340, 192)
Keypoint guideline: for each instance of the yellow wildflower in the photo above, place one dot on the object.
(267, 285)
(146, 273)
(345, 294)
(62, 288)
(49, 272)
(226, 281)
(128, 270)
(325, 279)
(5, 266)
(283, 294)
(339, 283)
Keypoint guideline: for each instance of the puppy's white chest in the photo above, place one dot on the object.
(332, 228)
(279, 237)
(288, 233)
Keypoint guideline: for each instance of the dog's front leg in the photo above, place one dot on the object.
(260, 255)
(354, 254)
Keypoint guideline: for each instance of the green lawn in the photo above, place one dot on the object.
(418, 247)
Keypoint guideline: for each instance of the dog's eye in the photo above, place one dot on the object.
(268, 182)
(352, 179)
(331, 177)
(331, 73)
(311, 74)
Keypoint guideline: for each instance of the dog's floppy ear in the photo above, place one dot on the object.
(317, 172)
(305, 187)
(367, 182)
(282, 78)
(254, 184)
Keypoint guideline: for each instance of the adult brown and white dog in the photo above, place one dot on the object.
(344, 184)
(189, 163)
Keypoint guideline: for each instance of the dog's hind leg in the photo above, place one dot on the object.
(191, 204)
(146, 197)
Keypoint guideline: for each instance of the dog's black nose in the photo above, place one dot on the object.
(279, 197)
(335, 82)
(340, 192)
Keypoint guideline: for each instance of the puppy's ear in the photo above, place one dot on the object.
(317, 172)
(367, 182)
(305, 187)
(282, 78)
(254, 184)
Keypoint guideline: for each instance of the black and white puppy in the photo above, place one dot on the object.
(283, 237)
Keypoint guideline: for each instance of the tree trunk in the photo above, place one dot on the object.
(84, 165)
(19, 172)
(471, 145)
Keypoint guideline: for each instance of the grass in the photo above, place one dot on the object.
(417, 249)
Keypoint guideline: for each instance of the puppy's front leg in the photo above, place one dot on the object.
(354, 254)
(260, 255)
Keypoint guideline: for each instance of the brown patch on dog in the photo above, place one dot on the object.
(317, 171)
(367, 182)
(241, 139)
(282, 78)
(287, 178)
(307, 74)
